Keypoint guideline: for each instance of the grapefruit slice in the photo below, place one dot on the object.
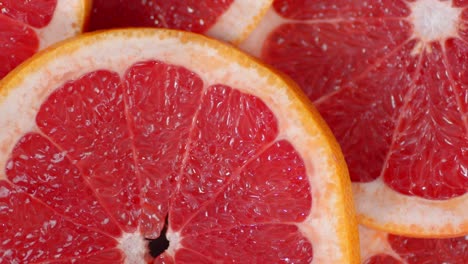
(378, 247)
(228, 20)
(125, 130)
(29, 26)
(388, 77)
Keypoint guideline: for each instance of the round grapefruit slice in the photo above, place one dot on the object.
(228, 20)
(378, 247)
(389, 78)
(166, 147)
(29, 26)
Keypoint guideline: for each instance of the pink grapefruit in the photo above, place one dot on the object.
(228, 20)
(139, 146)
(29, 26)
(379, 247)
(389, 78)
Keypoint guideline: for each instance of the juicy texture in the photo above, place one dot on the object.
(18, 40)
(418, 250)
(382, 259)
(18, 43)
(34, 13)
(190, 15)
(309, 9)
(380, 88)
(408, 250)
(34, 232)
(153, 142)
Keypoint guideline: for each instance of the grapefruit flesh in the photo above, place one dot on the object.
(34, 13)
(112, 152)
(388, 77)
(228, 20)
(100, 129)
(25, 44)
(382, 248)
(28, 26)
(196, 16)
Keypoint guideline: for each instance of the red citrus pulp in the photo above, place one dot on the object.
(229, 20)
(29, 26)
(389, 78)
(123, 133)
(382, 248)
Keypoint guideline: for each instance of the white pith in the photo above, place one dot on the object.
(376, 203)
(434, 20)
(118, 51)
(254, 43)
(373, 242)
(134, 247)
(174, 239)
(66, 22)
(235, 24)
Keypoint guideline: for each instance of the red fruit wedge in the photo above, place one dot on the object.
(229, 20)
(29, 26)
(126, 136)
(389, 78)
(382, 248)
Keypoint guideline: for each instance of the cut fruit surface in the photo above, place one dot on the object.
(388, 77)
(378, 247)
(228, 20)
(29, 26)
(176, 127)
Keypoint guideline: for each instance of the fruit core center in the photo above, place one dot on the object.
(134, 246)
(435, 20)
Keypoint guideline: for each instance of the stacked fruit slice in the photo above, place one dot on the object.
(160, 146)
(228, 20)
(29, 26)
(379, 247)
(388, 77)
(107, 148)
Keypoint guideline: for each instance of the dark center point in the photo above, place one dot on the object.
(159, 245)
